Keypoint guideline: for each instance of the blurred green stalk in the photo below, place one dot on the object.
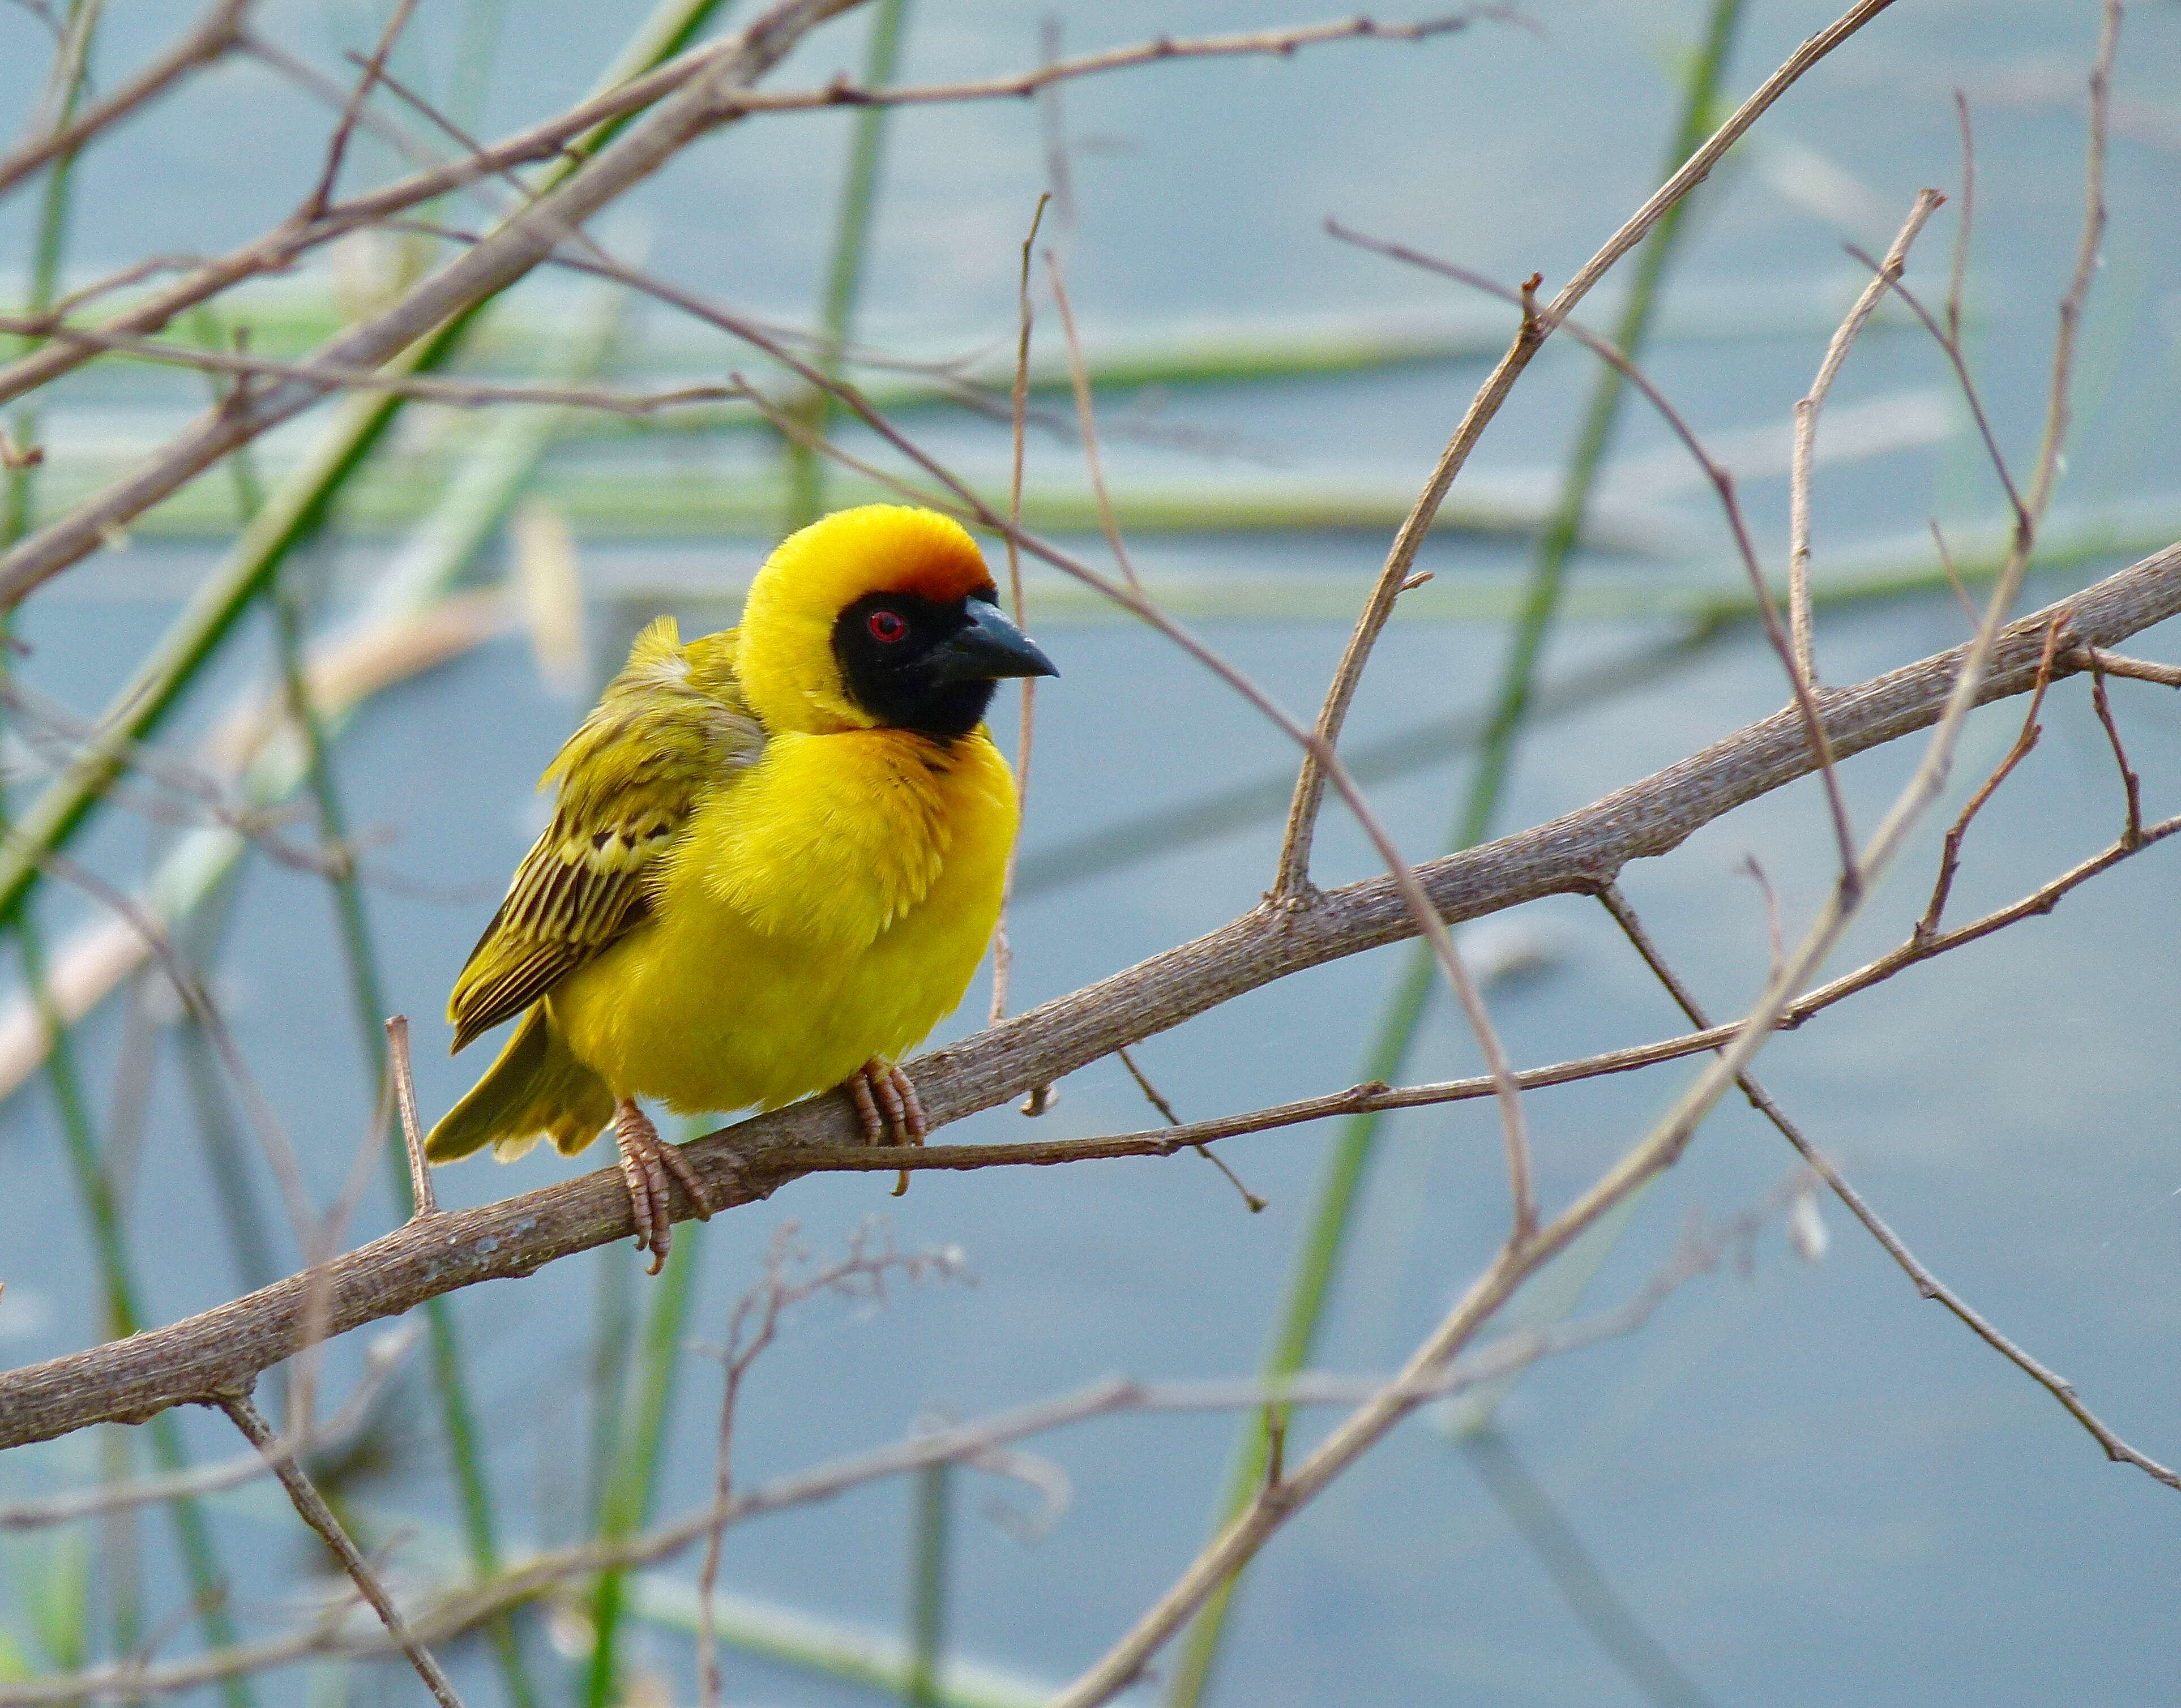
(124, 1316)
(826, 1647)
(844, 277)
(927, 1584)
(635, 1482)
(1332, 1218)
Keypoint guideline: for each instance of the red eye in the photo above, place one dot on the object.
(887, 627)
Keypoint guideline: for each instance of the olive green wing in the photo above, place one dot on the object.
(663, 734)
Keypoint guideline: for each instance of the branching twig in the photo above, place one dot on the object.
(470, 278)
(971, 1443)
(752, 1327)
(1292, 882)
(283, 246)
(1806, 432)
(1663, 1145)
(1950, 854)
(215, 35)
(1722, 482)
(2132, 836)
(1156, 1099)
(396, 21)
(1927, 1284)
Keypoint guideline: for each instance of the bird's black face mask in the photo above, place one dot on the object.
(915, 664)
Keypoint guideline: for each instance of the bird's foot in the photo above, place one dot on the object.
(891, 1110)
(646, 1161)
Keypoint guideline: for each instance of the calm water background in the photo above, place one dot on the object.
(1807, 1485)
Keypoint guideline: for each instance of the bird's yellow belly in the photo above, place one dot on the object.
(838, 914)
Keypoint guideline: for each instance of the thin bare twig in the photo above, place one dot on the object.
(1928, 203)
(1086, 422)
(1964, 219)
(464, 393)
(196, 1001)
(311, 1508)
(2131, 837)
(752, 1326)
(1003, 956)
(2140, 670)
(1953, 574)
(412, 1129)
(976, 1443)
(471, 277)
(1664, 1144)
(1775, 929)
(1156, 1099)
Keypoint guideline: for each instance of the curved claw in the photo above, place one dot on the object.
(891, 1111)
(646, 1161)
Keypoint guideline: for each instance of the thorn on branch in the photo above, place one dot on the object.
(1533, 330)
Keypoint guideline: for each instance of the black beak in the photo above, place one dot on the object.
(989, 647)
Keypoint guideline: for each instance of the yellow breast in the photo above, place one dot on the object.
(828, 905)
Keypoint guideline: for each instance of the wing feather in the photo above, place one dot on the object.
(661, 736)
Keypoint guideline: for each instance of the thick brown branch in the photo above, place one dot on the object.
(219, 1354)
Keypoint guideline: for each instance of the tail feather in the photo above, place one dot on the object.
(536, 1089)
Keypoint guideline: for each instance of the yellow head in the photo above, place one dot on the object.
(879, 616)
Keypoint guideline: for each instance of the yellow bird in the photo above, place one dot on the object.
(773, 864)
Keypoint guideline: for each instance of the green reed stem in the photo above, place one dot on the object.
(927, 1585)
(613, 1321)
(630, 1493)
(1318, 1259)
(844, 277)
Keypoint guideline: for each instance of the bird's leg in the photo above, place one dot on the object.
(891, 1110)
(646, 1161)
